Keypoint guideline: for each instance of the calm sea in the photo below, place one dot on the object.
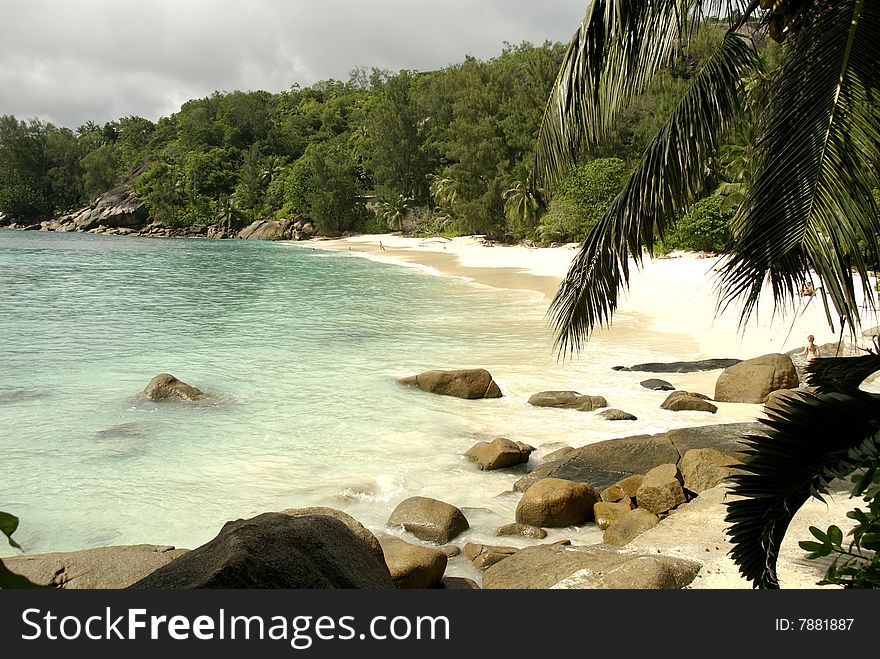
(302, 348)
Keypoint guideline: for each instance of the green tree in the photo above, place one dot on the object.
(335, 193)
(398, 161)
(808, 205)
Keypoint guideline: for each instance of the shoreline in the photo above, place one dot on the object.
(698, 533)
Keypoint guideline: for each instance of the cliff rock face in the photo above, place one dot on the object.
(117, 209)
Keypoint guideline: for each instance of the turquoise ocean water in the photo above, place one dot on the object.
(302, 347)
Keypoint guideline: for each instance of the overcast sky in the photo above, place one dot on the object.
(69, 61)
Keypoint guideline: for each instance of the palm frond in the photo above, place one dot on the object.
(612, 56)
(841, 374)
(670, 175)
(810, 204)
(811, 440)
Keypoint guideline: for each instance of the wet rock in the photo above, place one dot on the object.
(571, 400)
(655, 384)
(524, 530)
(679, 401)
(465, 383)
(166, 387)
(617, 415)
(500, 453)
(429, 519)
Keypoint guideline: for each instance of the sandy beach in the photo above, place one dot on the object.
(669, 313)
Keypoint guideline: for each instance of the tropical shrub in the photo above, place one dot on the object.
(705, 227)
(581, 199)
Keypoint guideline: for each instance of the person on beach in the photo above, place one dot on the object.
(811, 350)
(381, 246)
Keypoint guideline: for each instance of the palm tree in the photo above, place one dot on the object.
(393, 211)
(808, 204)
(522, 204)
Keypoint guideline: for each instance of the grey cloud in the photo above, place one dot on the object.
(69, 62)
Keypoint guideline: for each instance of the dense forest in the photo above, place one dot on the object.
(447, 152)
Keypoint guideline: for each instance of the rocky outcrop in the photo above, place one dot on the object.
(500, 453)
(465, 383)
(597, 566)
(166, 387)
(274, 550)
(104, 567)
(571, 400)
(429, 519)
(605, 463)
(753, 380)
(118, 208)
(680, 367)
(555, 502)
(413, 566)
(265, 230)
(288, 229)
(679, 401)
(629, 526)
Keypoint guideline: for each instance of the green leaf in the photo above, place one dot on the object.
(819, 533)
(835, 535)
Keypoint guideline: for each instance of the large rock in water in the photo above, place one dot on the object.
(166, 387)
(118, 208)
(104, 567)
(571, 400)
(465, 383)
(274, 550)
(681, 367)
(429, 519)
(679, 401)
(752, 381)
(500, 453)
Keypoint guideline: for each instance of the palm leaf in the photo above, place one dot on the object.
(613, 56)
(810, 204)
(812, 439)
(670, 175)
(841, 374)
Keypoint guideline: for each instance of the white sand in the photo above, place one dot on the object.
(670, 311)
